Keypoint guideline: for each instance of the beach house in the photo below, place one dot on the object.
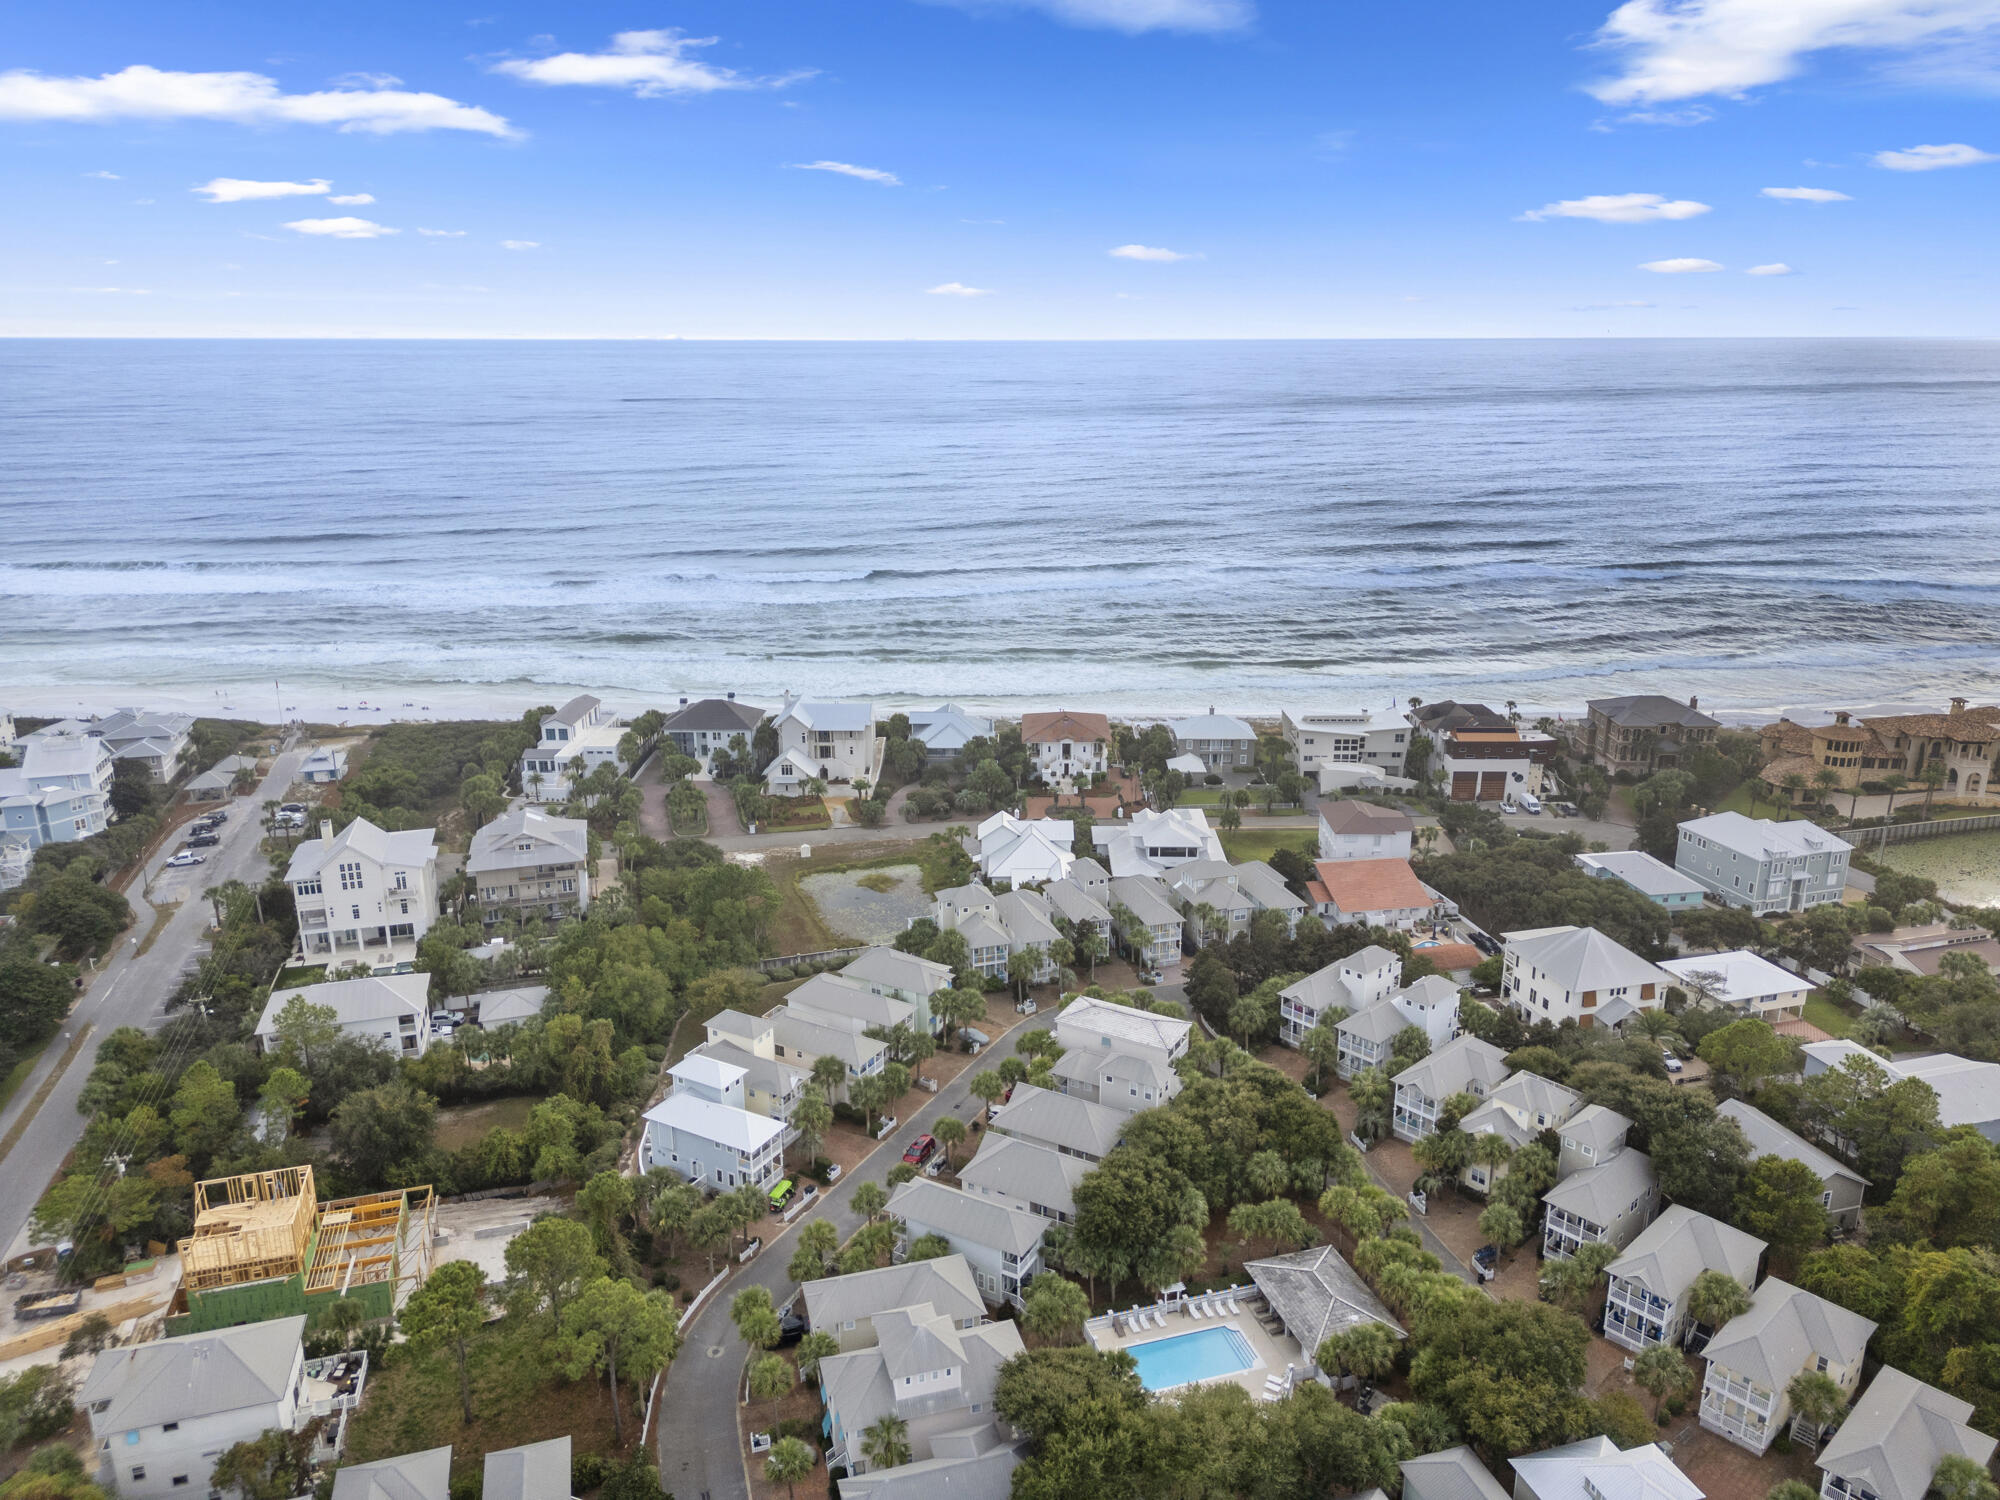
(1221, 742)
(1959, 742)
(1002, 1245)
(1742, 982)
(1371, 892)
(1026, 1175)
(576, 739)
(705, 1132)
(1559, 974)
(701, 728)
(1063, 744)
(1349, 829)
(1754, 1356)
(1646, 1298)
(945, 731)
(1344, 737)
(1841, 1187)
(1644, 732)
(829, 742)
(60, 793)
(530, 863)
(1063, 1122)
(1760, 865)
(364, 895)
(1605, 1204)
(1659, 883)
(1021, 851)
(1350, 984)
(390, 1011)
(1464, 1066)
(1894, 1437)
(1367, 1038)
(1154, 843)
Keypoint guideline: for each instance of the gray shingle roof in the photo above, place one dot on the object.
(1060, 1120)
(533, 1471)
(1652, 711)
(409, 1476)
(1768, 1138)
(552, 840)
(1449, 1069)
(1599, 1194)
(957, 1214)
(1455, 1474)
(945, 1283)
(1784, 1329)
(1679, 1245)
(1897, 1432)
(1316, 1294)
(1027, 1170)
(716, 715)
(195, 1375)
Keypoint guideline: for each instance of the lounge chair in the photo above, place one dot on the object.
(1230, 1305)
(1200, 1309)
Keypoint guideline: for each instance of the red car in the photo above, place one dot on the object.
(920, 1150)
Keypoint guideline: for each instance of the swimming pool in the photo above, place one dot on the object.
(1185, 1358)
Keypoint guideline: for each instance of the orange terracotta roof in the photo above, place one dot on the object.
(1362, 885)
(1039, 729)
(1316, 893)
(1975, 724)
(1450, 958)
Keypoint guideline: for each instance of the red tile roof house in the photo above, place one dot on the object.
(1377, 892)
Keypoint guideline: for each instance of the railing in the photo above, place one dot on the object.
(1902, 833)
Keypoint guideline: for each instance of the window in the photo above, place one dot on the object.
(402, 880)
(170, 1427)
(350, 876)
(179, 1480)
(306, 887)
(138, 1471)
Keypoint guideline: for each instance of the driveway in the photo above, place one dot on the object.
(130, 989)
(699, 1449)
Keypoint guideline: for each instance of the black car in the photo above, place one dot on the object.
(1484, 943)
(218, 816)
(792, 1327)
(204, 841)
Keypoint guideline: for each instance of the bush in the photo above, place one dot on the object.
(1211, 779)
(669, 1282)
(588, 1471)
(34, 1404)
(464, 1486)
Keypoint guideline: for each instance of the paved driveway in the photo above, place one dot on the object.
(131, 989)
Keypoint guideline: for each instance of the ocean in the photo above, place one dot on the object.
(1137, 527)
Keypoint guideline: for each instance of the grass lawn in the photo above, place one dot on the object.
(517, 1397)
(799, 927)
(291, 979)
(1244, 844)
(1834, 1020)
(18, 1074)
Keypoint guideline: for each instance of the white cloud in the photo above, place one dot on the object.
(647, 62)
(1930, 158)
(1135, 16)
(367, 80)
(1149, 252)
(1619, 208)
(143, 93)
(442, 234)
(520, 244)
(1683, 49)
(1693, 114)
(116, 291)
(351, 200)
(107, 176)
(848, 169)
(1775, 268)
(243, 190)
(346, 228)
(1680, 265)
(1807, 195)
(959, 289)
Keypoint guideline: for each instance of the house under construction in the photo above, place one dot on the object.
(264, 1246)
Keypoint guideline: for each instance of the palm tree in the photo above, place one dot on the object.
(1895, 781)
(1491, 1151)
(1815, 1400)
(1794, 783)
(789, 1461)
(1655, 1024)
(886, 1444)
(950, 1132)
(1713, 1299)
(1662, 1371)
(1825, 779)
(1933, 776)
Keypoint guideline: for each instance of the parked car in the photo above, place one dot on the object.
(1485, 943)
(220, 815)
(792, 1326)
(1486, 1261)
(183, 859)
(920, 1150)
(1673, 1063)
(204, 841)
(781, 1195)
(293, 809)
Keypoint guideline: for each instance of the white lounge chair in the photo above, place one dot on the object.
(1230, 1306)
(1201, 1309)
(1160, 1317)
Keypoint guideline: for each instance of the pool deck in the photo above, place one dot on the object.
(1273, 1353)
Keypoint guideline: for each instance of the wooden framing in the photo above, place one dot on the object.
(375, 1237)
(255, 1227)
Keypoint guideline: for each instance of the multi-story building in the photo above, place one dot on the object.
(771, 1086)
(945, 731)
(1081, 900)
(1221, 742)
(705, 1132)
(1559, 974)
(844, 1307)
(1608, 1203)
(1154, 936)
(924, 1366)
(390, 1011)
(1968, 1090)
(1593, 1134)
(1519, 1111)
(1755, 1355)
(1062, 1122)
(1841, 1187)
(1117, 1055)
(1861, 750)
(1064, 745)
(1153, 843)
(530, 863)
(1367, 1039)
(364, 895)
(1644, 733)
(1022, 851)
(1894, 1437)
(1323, 737)
(830, 742)
(1464, 1066)
(1232, 896)
(161, 1413)
(1372, 892)
(701, 728)
(1646, 1300)
(1349, 984)
(1027, 1175)
(60, 793)
(1363, 830)
(889, 971)
(1002, 1245)
(1596, 1469)
(1482, 756)
(576, 739)
(1761, 865)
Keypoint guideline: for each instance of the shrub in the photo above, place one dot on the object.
(464, 1486)
(1211, 779)
(670, 1282)
(588, 1471)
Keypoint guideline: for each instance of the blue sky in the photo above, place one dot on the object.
(1013, 169)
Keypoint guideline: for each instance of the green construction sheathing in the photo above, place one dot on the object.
(280, 1297)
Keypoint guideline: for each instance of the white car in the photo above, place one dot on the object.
(1673, 1063)
(183, 859)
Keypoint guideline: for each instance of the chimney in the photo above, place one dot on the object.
(1958, 705)
(326, 828)
(732, 697)
(1841, 716)
(684, 703)
(1693, 702)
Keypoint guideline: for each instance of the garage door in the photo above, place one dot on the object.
(1464, 785)
(1493, 786)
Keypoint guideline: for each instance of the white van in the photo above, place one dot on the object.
(1530, 803)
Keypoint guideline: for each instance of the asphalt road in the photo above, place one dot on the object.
(699, 1451)
(131, 989)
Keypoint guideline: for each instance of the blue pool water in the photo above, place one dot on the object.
(1188, 1357)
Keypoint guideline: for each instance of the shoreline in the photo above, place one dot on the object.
(360, 708)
